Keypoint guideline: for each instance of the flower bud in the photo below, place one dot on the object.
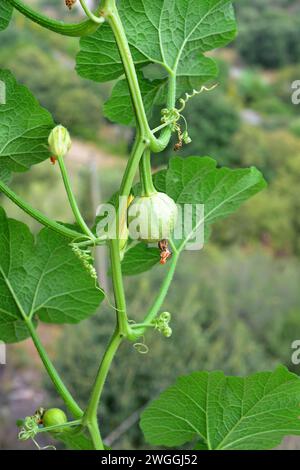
(59, 141)
(165, 317)
(167, 332)
(186, 138)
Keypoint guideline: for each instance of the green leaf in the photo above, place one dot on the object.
(25, 127)
(171, 33)
(6, 10)
(139, 259)
(75, 439)
(5, 175)
(99, 59)
(42, 280)
(159, 180)
(174, 33)
(201, 446)
(119, 106)
(227, 413)
(222, 191)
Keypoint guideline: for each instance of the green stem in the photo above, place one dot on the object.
(115, 22)
(152, 313)
(37, 215)
(60, 427)
(118, 287)
(162, 126)
(90, 415)
(132, 166)
(137, 326)
(156, 306)
(83, 28)
(158, 145)
(114, 245)
(90, 15)
(94, 431)
(53, 374)
(77, 214)
(146, 174)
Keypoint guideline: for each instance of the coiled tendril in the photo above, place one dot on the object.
(172, 116)
(29, 430)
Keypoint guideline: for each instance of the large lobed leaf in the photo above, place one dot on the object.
(197, 180)
(173, 34)
(44, 280)
(226, 413)
(6, 10)
(24, 129)
(222, 191)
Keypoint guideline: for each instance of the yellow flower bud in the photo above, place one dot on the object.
(59, 141)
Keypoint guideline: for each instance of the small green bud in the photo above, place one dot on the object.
(186, 138)
(59, 141)
(165, 317)
(167, 332)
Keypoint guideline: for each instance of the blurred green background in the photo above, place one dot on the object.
(236, 305)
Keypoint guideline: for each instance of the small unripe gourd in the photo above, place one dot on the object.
(54, 417)
(152, 218)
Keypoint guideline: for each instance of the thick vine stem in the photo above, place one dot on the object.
(83, 28)
(94, 431)
(117, 279)
(118, 287)
(111, 13)
(113, 18)
(90, 415)
(37, 215)
(53, 374)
